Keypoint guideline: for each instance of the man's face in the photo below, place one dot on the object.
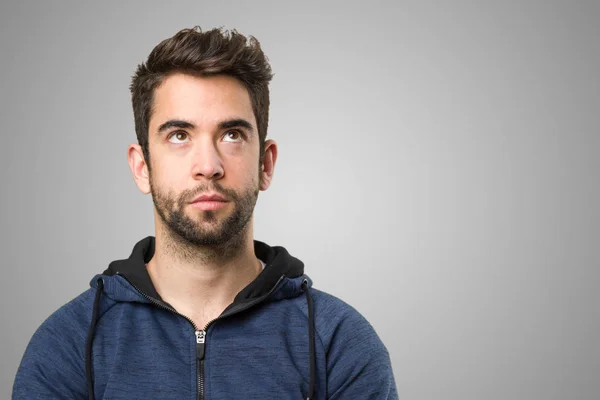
(203, 141)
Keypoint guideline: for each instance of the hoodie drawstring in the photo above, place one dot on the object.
(311, 340)
(94, 321)
(90, 340)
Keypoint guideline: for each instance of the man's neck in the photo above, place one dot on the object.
(200, 282)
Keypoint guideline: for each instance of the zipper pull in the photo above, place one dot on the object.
(200, 341)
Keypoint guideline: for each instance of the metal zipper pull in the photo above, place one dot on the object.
(200, 339)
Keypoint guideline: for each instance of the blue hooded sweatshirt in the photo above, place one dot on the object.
(279, 339)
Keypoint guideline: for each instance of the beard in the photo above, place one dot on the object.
(206, 228)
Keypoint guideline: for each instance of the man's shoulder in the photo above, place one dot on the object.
(358, 363)
(71, 318)
(54, 358)
(331, 304)
(335, 309)
(60, 338)
(338, 322)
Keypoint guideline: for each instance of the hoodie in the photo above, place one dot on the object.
(279, 339)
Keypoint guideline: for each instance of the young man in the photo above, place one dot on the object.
(202, 310)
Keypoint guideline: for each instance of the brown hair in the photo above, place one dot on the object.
(214, 52)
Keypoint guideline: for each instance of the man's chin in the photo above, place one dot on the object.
(208, 220)
(203, 235)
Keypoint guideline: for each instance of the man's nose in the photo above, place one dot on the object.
(207, 162)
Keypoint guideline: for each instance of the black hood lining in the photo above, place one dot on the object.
(278, 262)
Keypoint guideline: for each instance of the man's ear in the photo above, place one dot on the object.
(268, 165)
(139, 168)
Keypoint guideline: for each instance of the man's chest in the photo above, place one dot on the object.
(243, 357)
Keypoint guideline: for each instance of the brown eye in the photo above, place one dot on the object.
(233, 136)
(180, 137)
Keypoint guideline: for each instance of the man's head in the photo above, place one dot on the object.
(201, 105)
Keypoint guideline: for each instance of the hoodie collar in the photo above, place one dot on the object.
(278, 263)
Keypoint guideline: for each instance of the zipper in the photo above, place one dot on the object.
(200, 342)
(201, 334)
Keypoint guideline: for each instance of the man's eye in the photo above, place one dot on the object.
(178, 137)
(233, 136)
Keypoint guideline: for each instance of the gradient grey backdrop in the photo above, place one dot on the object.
(439, 170)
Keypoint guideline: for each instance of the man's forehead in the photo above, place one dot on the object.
(201, 100)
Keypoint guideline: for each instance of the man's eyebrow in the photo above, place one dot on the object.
(236, 123)
(227, 124)
(175, 123)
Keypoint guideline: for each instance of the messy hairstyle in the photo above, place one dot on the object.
(214, 52)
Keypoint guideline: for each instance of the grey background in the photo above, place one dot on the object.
(438, 170)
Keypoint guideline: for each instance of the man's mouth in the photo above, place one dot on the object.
(209, 202)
